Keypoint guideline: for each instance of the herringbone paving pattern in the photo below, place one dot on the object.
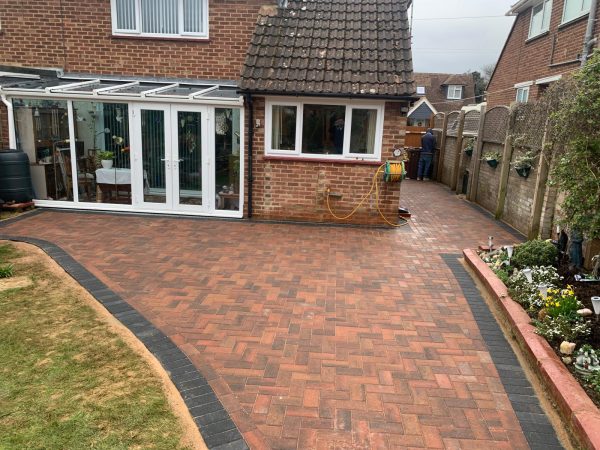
(314, 337)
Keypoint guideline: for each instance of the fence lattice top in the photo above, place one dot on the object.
(496, 125)
(472, 122)
(453, 122)
(438, 121)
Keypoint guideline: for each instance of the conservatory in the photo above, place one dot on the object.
(129, 144)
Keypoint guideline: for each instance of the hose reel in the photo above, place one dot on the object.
(394, 172)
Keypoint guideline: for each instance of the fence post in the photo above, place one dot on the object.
(505, 166)
(539, 192)
(440, 165)
(458, 158)
(476, 159)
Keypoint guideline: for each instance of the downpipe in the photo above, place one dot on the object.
(12, 139)
(589, 40)
(250, 151)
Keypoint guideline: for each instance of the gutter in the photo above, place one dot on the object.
(402, 98)
(12, 139)
(250, 150)
(589, 40)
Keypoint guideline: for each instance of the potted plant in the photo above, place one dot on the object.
(492, 158)
(106, 159)
(524, 163)
(470, 146)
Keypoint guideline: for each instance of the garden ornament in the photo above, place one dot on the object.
(528, 275)
(576, 250)
(490, 242)
(596, 305)
(567, 348)
(587, 360)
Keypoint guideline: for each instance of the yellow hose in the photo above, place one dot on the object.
(374, 186)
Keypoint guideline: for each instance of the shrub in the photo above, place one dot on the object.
(503, 275)
(567, 328)
(6, 271)
(535, 253)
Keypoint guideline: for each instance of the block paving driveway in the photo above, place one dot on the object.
(313, 336)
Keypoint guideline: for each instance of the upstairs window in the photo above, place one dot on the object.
(420, 90)
(160, 18)
(455, 92)
(540, 18)
(575, 8)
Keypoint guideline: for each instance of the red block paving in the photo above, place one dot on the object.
(314, 337)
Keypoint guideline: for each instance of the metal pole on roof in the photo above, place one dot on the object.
(589, 39)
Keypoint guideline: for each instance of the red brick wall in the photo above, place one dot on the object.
(32, 36)
(295, 190)
(537, 58)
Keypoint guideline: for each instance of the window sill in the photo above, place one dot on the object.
(160, 38)
(537, 36)
(359, 162)
(573, 21)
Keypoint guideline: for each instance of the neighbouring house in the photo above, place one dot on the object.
(545, 43)
(154, 90)
(440, 92)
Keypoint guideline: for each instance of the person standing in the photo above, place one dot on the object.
(428, 144)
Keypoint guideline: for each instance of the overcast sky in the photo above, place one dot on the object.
(458, 45)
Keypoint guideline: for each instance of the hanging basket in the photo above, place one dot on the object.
(469, 151)
(523, 171)
(493, 163)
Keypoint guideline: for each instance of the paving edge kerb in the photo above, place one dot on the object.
(574, 405)
(213, 421)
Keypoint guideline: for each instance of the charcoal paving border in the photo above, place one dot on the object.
(215, 425)
(536, 427)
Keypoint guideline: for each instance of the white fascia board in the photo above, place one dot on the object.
(547, 80)
(523, 84)
(521, 6)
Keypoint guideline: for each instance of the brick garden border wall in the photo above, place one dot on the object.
(576, 409)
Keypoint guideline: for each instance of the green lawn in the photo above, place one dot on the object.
(67, 381)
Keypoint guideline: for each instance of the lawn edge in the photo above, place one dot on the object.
(574, 405)
(209, 416)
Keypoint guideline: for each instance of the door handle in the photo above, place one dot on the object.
(180, 160)
(164, 159)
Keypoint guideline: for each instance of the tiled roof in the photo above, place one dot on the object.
(349, 47)
(435, 85)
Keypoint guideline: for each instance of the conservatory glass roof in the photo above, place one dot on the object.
(15, 81)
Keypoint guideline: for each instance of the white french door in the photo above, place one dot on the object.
(171, 158)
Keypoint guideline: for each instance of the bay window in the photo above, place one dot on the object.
(324, 129)
(160, 18)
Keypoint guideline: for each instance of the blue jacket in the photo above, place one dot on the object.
(428, 143)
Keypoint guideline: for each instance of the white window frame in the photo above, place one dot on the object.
(546, 9)
(583, 12)
(346, 153)
(452, 88)
(138, 22)
(525, 96)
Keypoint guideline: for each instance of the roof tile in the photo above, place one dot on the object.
(357, 47)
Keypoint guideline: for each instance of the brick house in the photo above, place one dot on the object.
(157, 84)
(440, 92)
(545, 43)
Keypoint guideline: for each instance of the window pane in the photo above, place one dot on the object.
(283, 136)
(126, 14)
(189, 138)
(323, 129)
(101, 128)
(575, 8)
(42, 131)
(193, 16)
(537, 19)
(227, 158)
(547, 15)
(160, 16)
(362, 133)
